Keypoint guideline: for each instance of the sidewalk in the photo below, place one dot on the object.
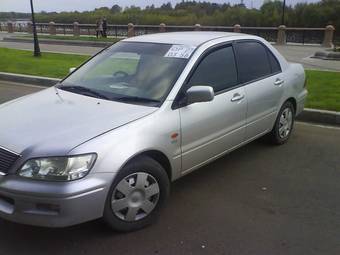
(302, 54)
(83, 50)
(293, 53)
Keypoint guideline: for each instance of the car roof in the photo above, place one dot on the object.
(193, 38)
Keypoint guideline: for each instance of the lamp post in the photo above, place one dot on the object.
(37, 52)
(283, 12)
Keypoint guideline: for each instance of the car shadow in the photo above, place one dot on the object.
(184, 197)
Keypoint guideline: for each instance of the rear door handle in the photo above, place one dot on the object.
(278, 82)
(237, 97)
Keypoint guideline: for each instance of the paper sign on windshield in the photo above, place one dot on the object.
(180, 51)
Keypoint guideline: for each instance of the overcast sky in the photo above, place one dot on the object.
(81, 5)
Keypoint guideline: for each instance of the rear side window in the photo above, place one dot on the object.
(252, 60)
(218, 70)
(274, 63)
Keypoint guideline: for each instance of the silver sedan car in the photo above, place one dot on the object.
(107, 141)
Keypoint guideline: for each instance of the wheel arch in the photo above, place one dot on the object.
(290, 99)
(156, 155)
(293, 101)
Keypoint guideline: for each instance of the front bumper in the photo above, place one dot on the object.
(53, 204)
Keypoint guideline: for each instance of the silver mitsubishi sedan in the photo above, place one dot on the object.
(107, 141)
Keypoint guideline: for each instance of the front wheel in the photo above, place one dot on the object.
(283, 125)
(136, 195)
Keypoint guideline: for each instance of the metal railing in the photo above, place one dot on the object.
(293, 35)
(3, 26)
(305, 35)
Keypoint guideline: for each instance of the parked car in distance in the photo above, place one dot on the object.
(107, 141)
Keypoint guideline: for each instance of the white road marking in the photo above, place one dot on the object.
(317, 125)
(65, 52)
(21, 84)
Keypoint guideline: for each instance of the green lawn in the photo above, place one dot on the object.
(324, 90)
(323, 87)
(49, 64)
(78, 38)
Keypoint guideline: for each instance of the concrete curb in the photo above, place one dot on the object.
(29, 79)
(320, 116)
(308, 115)
(327, 55)
(60, 42)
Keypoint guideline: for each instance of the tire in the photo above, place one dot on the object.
(133, 202)
(283, 125)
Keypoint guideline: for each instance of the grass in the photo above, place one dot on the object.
(75, 38)
(324, 90)
(323, 87)
(49, 64)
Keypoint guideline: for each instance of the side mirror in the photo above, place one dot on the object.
(197, 94)
(72, 69)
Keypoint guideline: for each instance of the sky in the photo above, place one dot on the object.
(82, 5)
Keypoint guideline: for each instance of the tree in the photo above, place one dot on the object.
(306, 14)
(150, 7)
(166, 7)
(116, 9)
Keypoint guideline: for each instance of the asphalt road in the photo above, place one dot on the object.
(259, 199)
(10, 90)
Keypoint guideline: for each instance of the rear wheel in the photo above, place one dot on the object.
(137, 195)
(284, 124)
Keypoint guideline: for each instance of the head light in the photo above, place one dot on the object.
(58, 168)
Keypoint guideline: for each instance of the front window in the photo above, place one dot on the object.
(129, 72)
(218, 70)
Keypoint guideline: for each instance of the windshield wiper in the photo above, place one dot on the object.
(84, 91)
(136, 99)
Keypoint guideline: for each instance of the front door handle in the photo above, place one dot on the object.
(237, 97)
(278, 82)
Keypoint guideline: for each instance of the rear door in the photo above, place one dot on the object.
(260, 72)
(209, 129)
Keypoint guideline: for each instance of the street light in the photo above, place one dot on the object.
(37, 52)
(283, 12)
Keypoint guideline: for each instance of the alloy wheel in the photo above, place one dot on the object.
(286, 122)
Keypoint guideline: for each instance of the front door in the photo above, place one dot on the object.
(209, 129)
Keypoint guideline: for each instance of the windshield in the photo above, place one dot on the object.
(130, 72)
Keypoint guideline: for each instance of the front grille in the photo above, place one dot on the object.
(7, 159)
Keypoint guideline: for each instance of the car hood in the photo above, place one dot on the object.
(56, 121)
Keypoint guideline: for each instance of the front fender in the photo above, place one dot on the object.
(152, 132)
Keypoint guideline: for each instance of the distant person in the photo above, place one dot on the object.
(99, 29)
(104, 27)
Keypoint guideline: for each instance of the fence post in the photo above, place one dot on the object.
(162, 28)
(10, 27)
(281, 35)
(237, 28)
(29, 27)
(76, 29)
(52, 29)
(197, 27)
(328, 37)
(131, 30)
